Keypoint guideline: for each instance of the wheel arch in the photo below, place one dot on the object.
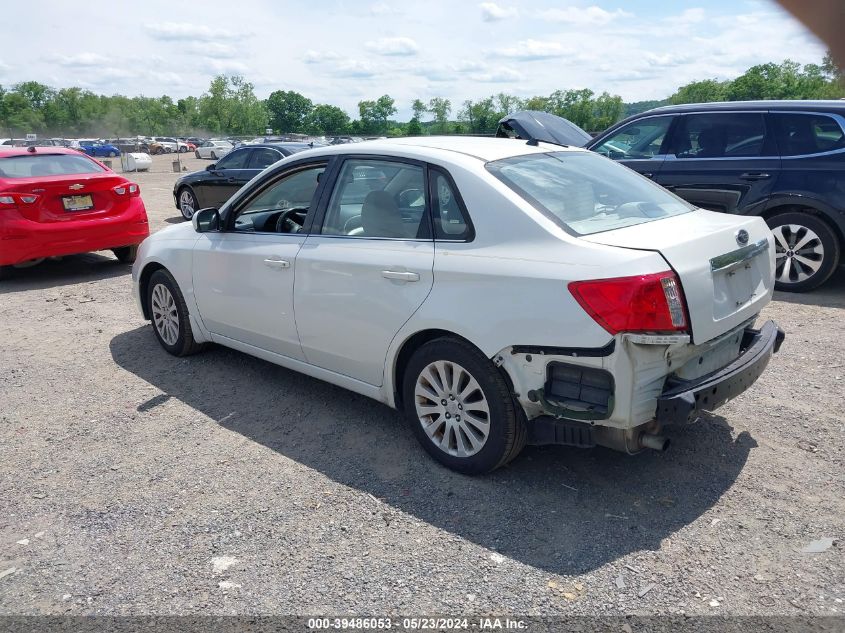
(143, 285)
(801, 204)
(410, 345)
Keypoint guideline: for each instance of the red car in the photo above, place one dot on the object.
(55, 201)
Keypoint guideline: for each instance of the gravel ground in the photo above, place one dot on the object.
(132, 482)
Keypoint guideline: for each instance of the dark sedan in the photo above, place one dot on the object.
(219, 181)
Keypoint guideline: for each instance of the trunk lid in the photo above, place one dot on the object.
(53, 191)
(726, 281)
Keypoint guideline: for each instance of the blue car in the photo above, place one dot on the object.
(99, 149)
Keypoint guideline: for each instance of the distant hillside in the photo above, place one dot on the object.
(642, 106)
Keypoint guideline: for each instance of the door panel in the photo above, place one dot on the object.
(369, 269)
(243, 284)
(353, 294)
(229, 176)
(722, 162)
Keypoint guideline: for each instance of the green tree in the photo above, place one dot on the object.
(480, 117)
(414, 128)
(375, 114)
(440, 108)
(328, 119)
(703, 91)
(419, 109)
(288, 111)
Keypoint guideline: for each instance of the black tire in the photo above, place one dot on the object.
(4, 272)
(126, 254)
(507, 426)
(184, 344)
(112, 154)
(213, 156)
(797, 278)
(194, 203)
(197, 154)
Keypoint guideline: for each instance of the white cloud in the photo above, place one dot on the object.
(689, 16)
(318, 57)
(382, 8)
(530, 50)
(212, 49)
(82, 60)
(500, 75)
(492, 12)
(594, 16)
(225, 66)
(354, 68)
(393, 46)
(188, 32)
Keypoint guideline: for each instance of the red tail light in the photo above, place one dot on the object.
(129, 189)
(643, 303)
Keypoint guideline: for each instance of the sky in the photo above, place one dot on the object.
(341, 51)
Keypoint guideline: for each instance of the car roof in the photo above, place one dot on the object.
(830, 105)
(484, 148)
(7, 151)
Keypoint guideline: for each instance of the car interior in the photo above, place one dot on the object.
(283, 206)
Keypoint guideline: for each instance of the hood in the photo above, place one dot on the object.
(542, 126)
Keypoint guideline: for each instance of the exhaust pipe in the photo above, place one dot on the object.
(655, 442)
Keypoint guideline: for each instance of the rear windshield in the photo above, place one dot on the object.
(586, 193)
(35, 165)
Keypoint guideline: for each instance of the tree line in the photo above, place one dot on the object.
(230, 107)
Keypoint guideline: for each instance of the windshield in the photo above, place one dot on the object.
(35, 165)
(586, 193)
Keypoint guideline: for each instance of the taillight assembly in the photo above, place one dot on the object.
(129, 189)
(642, 303)
(11, 200)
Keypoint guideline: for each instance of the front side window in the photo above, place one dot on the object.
(36, 165)
(234, 160)
(721, 135)
(586, 193)
(377, 198)
(448, 214)
(283, 205)
(637, 140)
(799, 134)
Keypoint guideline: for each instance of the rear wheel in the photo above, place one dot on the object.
(460, 407)
(125, 254)
(187, 202)
(112, 154)
(806, 251)
(169, 314)
(213, 156)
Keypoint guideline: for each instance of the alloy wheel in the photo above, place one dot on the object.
(799, 253)
(452, 408)
(165, 315)
(187, 204)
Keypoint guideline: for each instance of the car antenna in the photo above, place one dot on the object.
(533, 142)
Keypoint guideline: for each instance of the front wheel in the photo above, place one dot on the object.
(197, 154)
(806, 251)
(169, 315)
(187, 203)
(460, 407)
(126, 254)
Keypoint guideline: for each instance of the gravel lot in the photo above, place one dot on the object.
(132, 482)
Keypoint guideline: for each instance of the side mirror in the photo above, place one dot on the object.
(206, 220)
(211, 167)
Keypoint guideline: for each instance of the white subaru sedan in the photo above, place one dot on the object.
(499, 293)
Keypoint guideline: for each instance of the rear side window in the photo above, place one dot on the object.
(586, 193)
(451, 221)
(37, 165)
(799, 134)
(234, 160)
(263, 157)
(722, 135)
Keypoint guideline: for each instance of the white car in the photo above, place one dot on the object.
(498, 292)
(213, 149)
(171, 144)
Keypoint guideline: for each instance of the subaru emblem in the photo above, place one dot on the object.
(742, 237)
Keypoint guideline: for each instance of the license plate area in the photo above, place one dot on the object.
(78, 203)
(736, 288)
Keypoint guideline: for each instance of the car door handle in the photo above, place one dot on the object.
(400, 275)
(231, 179)
(277, 263)
(757, 175)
